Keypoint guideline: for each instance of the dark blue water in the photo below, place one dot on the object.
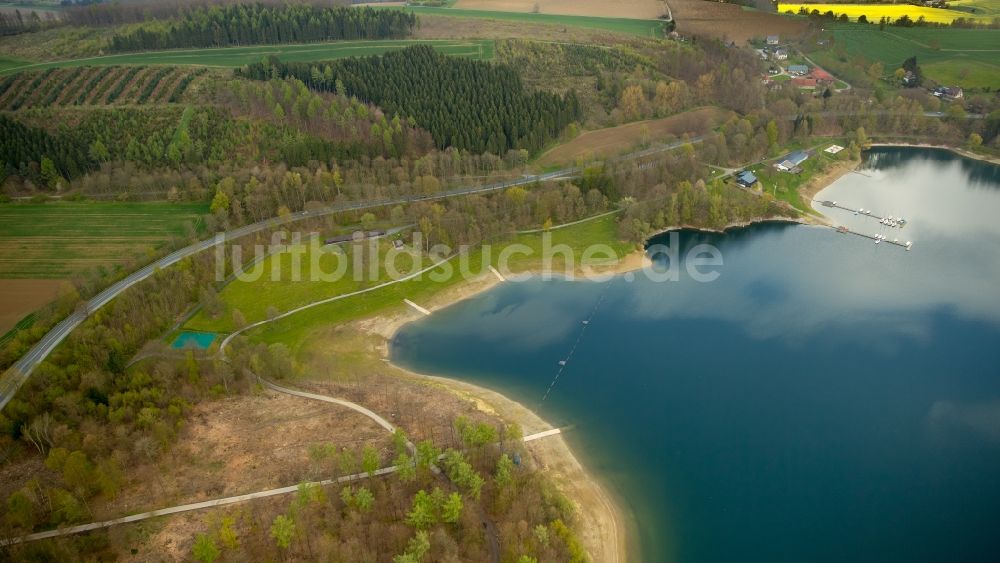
(825, 399)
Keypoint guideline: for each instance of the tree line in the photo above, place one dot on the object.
(102, 13)
(50, 152)
(12, 23)
(902, 21)
(249, 24)
(464, 104)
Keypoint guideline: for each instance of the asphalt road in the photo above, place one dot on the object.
(16, 375)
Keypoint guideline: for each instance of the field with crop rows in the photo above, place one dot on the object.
(57, 240)
(95, 85)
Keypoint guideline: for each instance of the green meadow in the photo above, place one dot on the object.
(253, 298)
(642, 28)
(965, 57)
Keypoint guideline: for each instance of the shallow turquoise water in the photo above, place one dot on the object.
(825, 399)
(194, 340)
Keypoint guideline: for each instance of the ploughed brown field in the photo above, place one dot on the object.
(602, 143)
(22, 296)
(638, 9)
(731, 22)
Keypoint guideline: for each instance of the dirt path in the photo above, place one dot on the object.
(488, 525)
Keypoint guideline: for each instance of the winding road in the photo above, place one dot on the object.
(17, 374)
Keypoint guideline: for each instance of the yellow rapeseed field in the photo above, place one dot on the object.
(874, 12)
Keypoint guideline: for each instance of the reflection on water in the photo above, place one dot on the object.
(826, 399)
(972, 173)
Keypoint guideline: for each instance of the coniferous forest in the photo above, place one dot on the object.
(248, 24)
(464, 104)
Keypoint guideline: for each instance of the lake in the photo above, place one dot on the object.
(824, 399)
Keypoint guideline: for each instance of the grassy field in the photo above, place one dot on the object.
(58, 240)
(7, 63)
(874, 12)
(642, 28)
(237, 56)
(294, 329)
(968, 74)
(253, 298)
(639, 9)
(612, 141)
(965, 57)
(977, 7)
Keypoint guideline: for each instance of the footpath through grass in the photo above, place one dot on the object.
(56, 240)
(228, 57)
(253, 298)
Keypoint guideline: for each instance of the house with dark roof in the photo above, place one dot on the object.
(746, 179)
(773, 39)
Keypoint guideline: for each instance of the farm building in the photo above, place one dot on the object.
(800, 70)
(949, 93)
(780, 55)
(746, 179)
(773, 39)
(792, 161)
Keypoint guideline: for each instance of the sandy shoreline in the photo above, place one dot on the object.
(822, 180)
(601, 522)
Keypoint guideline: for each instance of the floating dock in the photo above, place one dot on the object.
(887, 221)
(907, 245)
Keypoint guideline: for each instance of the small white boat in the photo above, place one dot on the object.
(586, 322)
(878, 240)
(562, 362)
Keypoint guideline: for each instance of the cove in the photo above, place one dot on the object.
(824, 399)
